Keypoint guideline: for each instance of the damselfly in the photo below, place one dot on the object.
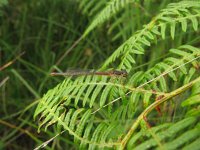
(121, 73)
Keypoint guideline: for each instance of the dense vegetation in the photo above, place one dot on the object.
(156, 106)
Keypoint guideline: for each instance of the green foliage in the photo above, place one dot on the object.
(3, 3)
(193, 101)
(42, 31)
(169, 17)
(112, 8)
(172, 136)
(155, 107)
(72, 104)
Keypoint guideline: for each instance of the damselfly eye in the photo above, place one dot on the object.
(124, 73)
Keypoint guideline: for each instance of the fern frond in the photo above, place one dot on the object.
(71, 104)
(61, 105)
(193, 101)
(80, 124)
(155, 81)
(169, 17)
(76, 122)
(112, 7)
(91, 7)
(181, 55)
(183, 132)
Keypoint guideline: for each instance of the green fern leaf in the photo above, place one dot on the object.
(193, 145)
(191, 101)
(172, 30)
(112, 8)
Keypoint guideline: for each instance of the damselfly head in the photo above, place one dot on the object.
(122, 73)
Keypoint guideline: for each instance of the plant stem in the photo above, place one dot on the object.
(153, 106)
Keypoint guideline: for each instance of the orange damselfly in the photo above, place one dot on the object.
(122, 73)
